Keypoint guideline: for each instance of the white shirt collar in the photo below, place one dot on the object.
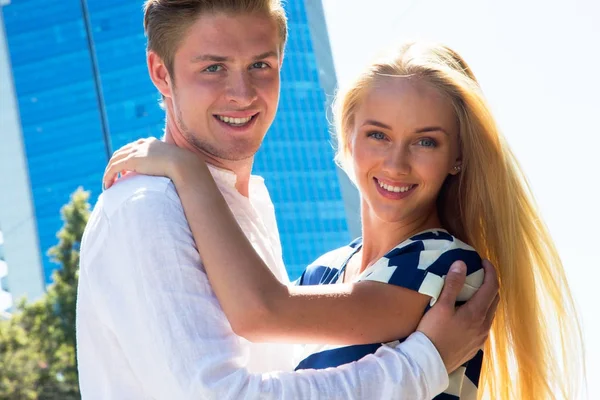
(229, 178)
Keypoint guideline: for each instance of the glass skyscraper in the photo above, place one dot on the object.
(80, 90)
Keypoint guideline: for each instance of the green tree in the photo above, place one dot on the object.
(38, 343)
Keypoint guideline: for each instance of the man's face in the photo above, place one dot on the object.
(225, 90)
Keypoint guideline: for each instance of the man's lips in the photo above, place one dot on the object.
(236, 122)
(237, 114)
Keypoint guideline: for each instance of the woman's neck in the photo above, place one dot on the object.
(379, 236)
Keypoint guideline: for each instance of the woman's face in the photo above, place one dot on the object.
(404, 144)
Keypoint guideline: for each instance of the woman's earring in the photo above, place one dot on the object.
(457, 168)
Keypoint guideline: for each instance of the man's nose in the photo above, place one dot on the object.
(241, 90)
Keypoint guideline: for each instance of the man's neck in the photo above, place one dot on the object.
(241, 169)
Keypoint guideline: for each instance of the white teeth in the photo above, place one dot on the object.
(234, 121)
(395, 189)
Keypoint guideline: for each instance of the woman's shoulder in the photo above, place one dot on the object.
(328, 265)
(433, 239)
(422, 262)
(434, 250)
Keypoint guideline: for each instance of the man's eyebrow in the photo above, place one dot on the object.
(267, 54)
(210, 57)
(215, 58)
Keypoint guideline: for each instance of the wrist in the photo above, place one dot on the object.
(424, 352)
(441, 353)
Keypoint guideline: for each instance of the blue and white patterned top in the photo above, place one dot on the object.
(419, 263)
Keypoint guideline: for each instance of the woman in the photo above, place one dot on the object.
(416, 136)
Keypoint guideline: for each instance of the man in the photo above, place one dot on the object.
(148, 323)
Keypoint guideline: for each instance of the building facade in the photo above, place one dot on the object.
(73, 76)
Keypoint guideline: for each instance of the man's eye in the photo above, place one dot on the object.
(214, 68)
(260, 65)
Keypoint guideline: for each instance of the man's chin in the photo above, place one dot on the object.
(222, 147)
(236, 158)
(240, 149)
(235, 153)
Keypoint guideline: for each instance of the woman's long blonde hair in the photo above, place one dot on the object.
(535, 347)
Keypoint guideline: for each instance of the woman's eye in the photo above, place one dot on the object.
(376, 135)
(260, 65)
(214, 68)
(427, 142)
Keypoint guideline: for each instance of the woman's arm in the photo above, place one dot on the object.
(258, 306)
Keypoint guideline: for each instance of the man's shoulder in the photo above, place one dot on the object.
(139, 191)
(136, 203)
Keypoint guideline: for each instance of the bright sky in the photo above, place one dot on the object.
(537, 62)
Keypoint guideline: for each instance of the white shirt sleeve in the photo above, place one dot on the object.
(151, 291)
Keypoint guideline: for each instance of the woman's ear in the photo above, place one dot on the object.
(456, 168)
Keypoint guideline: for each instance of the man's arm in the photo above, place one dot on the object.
(458, 333)
(160, 306)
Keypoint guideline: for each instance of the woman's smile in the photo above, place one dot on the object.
(393, 190)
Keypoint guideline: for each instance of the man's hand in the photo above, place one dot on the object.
(458, 333)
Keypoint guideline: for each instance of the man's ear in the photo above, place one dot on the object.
(159, 74)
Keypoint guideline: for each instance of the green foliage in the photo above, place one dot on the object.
(37, 345)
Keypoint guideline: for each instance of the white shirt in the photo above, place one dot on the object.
(150, 327)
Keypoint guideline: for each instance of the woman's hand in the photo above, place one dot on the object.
(146, 156)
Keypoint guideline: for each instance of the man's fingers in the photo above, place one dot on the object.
(453, 283)
(483, 298)
(491, 312)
